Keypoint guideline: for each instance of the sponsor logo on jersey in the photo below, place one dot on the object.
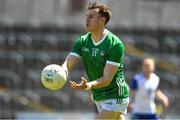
(85, 49)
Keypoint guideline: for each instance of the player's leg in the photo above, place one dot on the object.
(109, 115)
(122, 117)
(112, 109)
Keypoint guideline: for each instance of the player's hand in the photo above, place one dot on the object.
(130, 106)
(166, 103)
(83, 85)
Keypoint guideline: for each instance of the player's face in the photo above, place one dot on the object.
(92, 20)
(148, 66)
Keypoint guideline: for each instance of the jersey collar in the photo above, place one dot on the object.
(103, 38)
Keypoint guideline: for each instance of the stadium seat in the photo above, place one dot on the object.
(32, 79)
(177, 39)
(9, 79)
(172, 58)
(11, 41)
(50, 41)
(16, 62)
(66, 41)
(37, 40)
(24, 41)
(4, 60)
(169, 45)
(168, 80)
(127, 62)
(2, 41)
(128, 39)
(147, 43)
(33, 95)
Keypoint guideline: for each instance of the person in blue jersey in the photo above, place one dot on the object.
(102, 54)
(144, 90)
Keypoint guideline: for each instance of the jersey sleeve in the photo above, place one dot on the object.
(134, 84)
(77, 47)
(116, 54)
(158, 87)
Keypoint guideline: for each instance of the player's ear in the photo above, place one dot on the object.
(102, 20)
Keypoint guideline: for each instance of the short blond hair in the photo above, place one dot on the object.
(149, 59)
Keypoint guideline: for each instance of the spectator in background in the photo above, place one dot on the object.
(144, 89)
(102, 54)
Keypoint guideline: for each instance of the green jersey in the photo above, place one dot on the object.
(109, 50)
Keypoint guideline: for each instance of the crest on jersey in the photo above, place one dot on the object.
(102, 53)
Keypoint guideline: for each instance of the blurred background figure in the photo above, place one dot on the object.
(35, 33)
(144, 90)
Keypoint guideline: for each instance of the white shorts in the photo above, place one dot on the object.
(115, 105)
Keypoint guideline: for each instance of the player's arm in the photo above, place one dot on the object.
(160, 95)
(109, 72)
(105, 80)
(73, 56)
(114, 56)
(69, 63)
(133, 89)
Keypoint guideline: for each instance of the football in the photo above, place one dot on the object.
(53, 77)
